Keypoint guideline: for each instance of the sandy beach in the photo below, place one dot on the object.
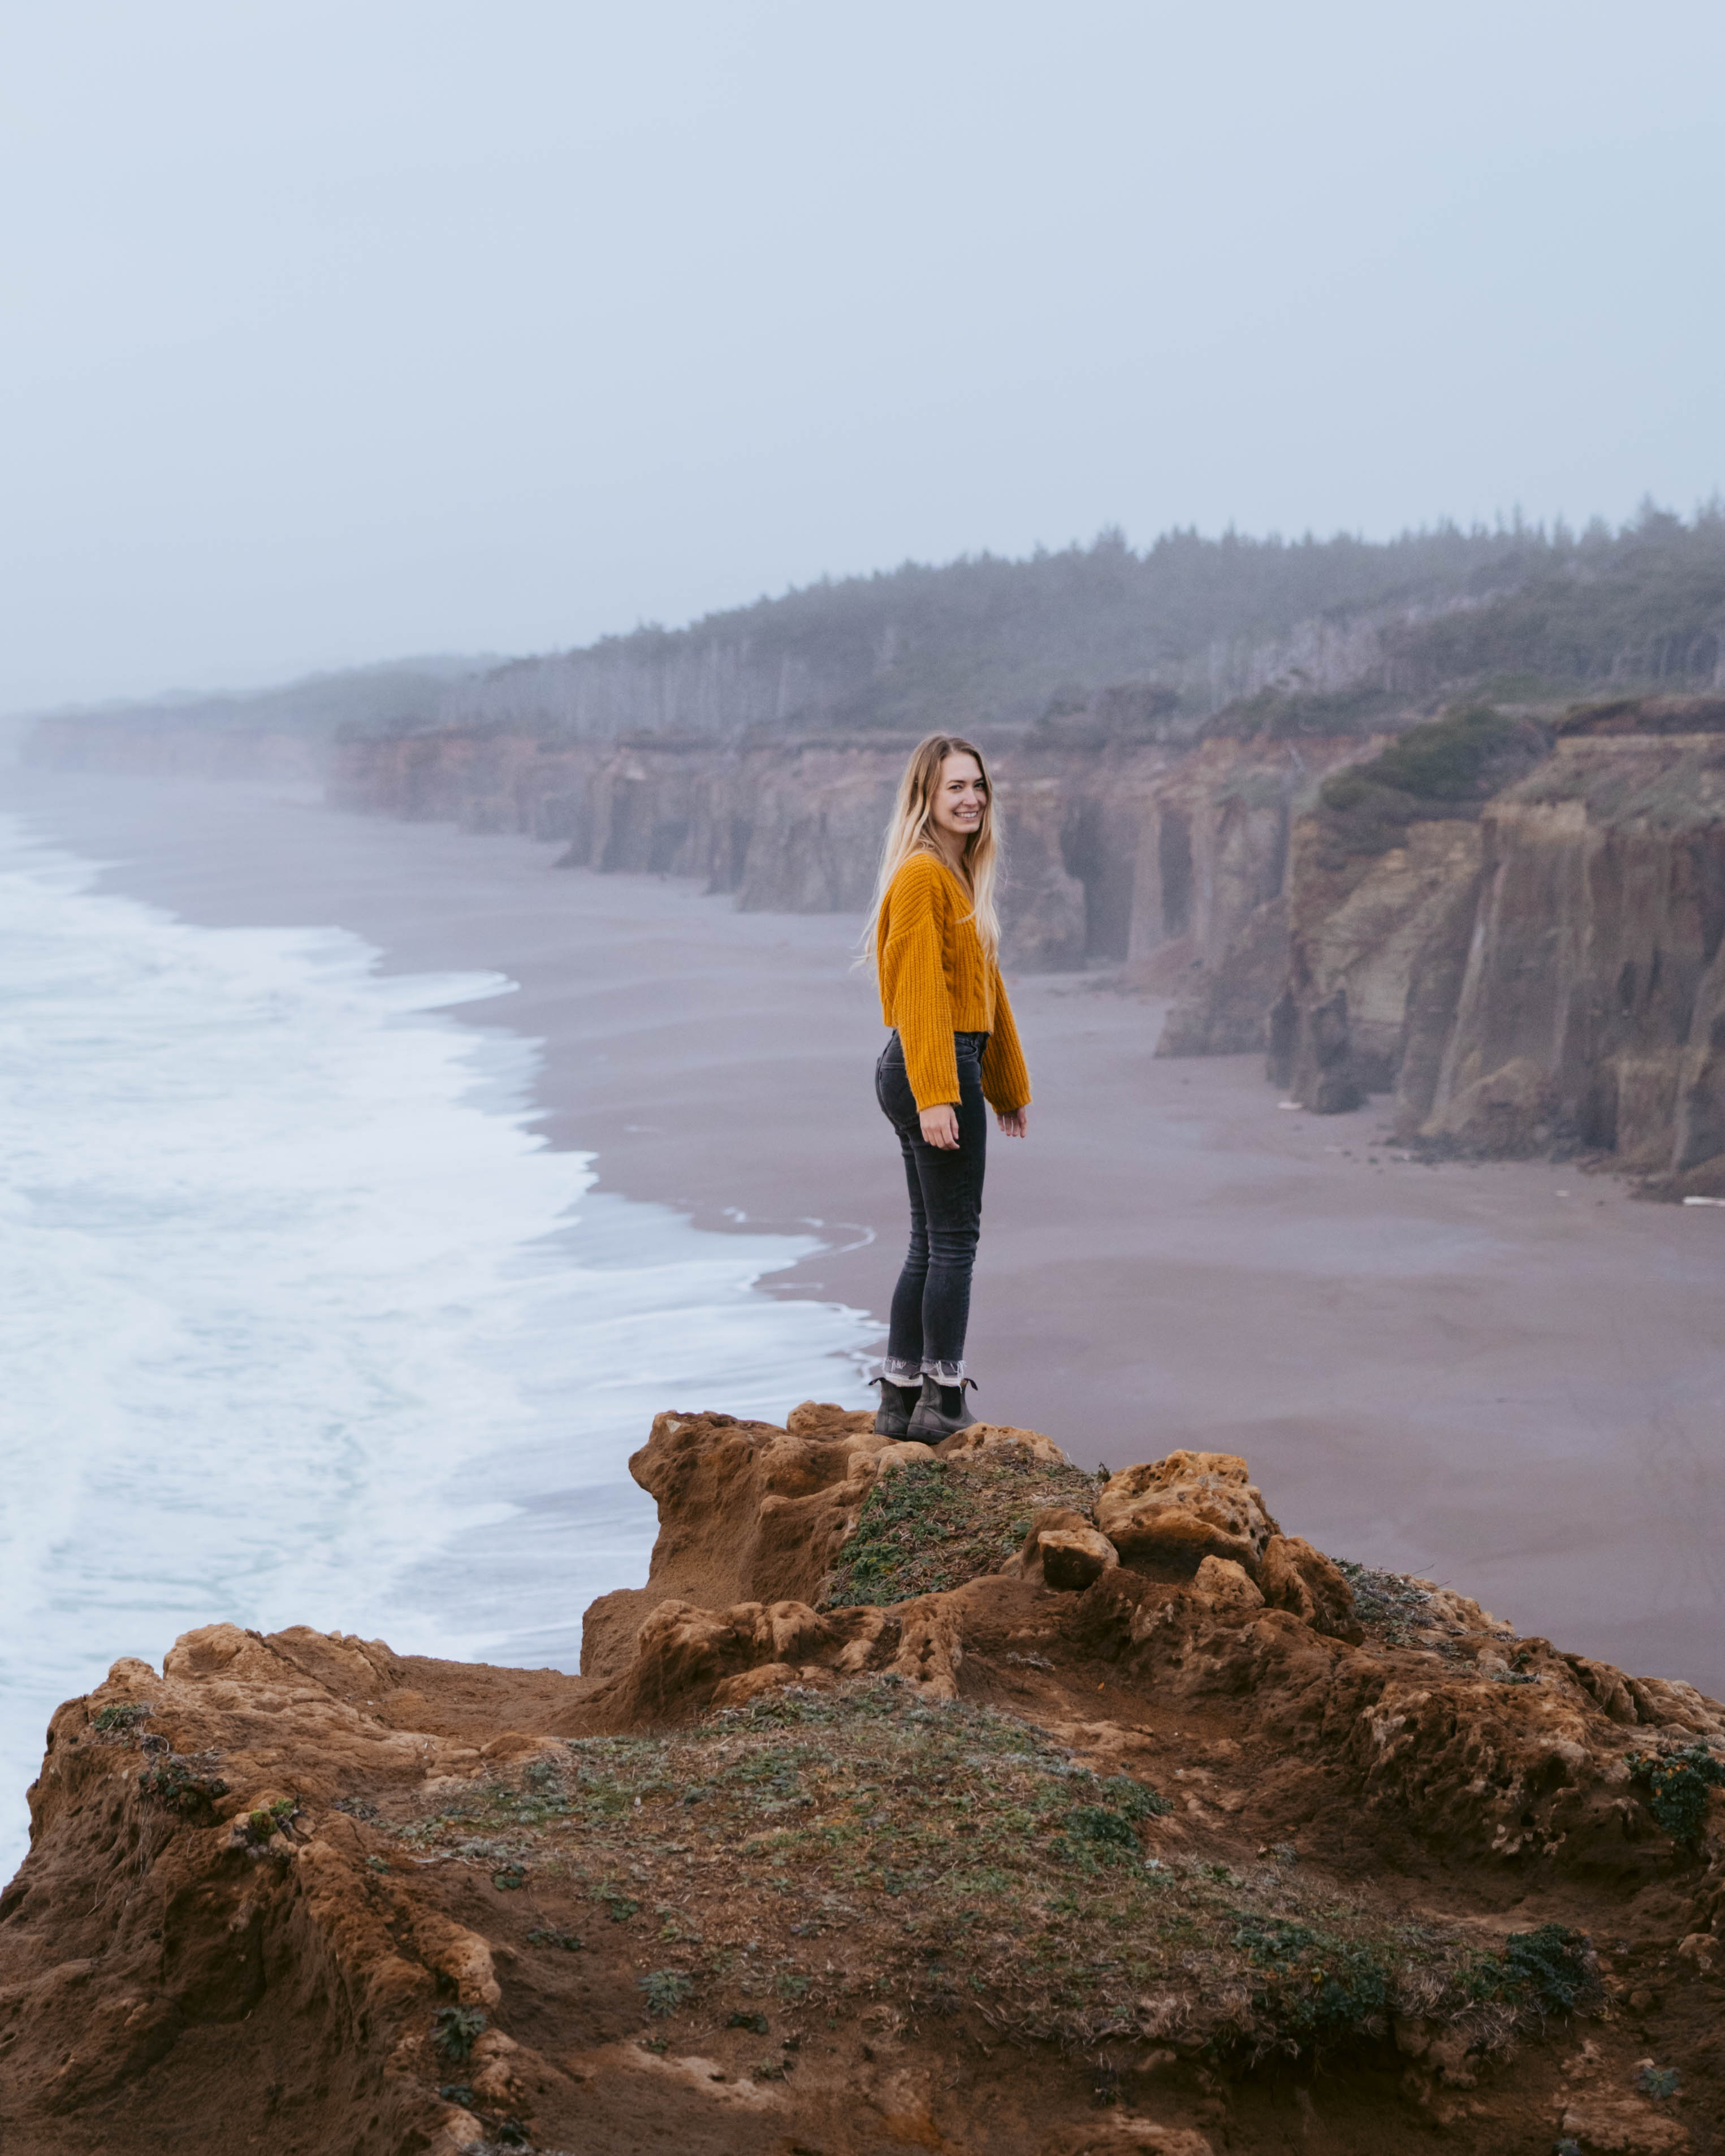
(1509, 1379)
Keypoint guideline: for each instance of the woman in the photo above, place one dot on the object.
(937, 941)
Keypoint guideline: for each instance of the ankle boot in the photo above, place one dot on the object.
(892, 1417)
(941, 1412)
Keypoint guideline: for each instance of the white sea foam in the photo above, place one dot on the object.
(300, 1320)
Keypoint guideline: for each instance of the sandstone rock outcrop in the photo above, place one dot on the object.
(1185, 1508)
(1539, 969)
(1164, 856)
(1295, 1577)
(754, 1514)
(1063, 1550)
(750, 1513)
(303, 1890)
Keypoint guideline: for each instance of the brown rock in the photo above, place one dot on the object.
(1226, 1585)
(1509, 1114)
(1625, 2126)
(903, 1452)
(826, 1419)
(1222, 1011)
(1176, 1510)
(1074, 1558)
(1297, 1578)
(1001, 1437)
(1062, 1550)
(747, 1512)
(685, 1656)
(1128, 2136)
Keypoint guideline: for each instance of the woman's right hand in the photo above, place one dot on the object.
(940, 1126)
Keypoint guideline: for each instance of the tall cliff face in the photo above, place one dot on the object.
(1540, 969)
(1168, 857)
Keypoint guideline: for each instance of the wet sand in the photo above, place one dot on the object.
(1510, 1378)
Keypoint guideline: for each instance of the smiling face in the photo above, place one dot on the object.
(961, 799)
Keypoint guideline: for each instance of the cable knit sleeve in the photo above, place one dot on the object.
(914, 994)
(1006, 1083)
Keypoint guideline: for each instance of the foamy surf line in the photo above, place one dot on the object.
(303, 1322)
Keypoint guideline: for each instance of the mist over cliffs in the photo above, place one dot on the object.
(992, 644)
(1507, 917)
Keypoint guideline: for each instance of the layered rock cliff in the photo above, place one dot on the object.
(1526, 952)
(1124, 847)
(954, 1800)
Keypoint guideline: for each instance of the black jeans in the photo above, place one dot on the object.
(931, 1304)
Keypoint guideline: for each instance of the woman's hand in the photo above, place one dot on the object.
(940, 1126)
(1012, 1124)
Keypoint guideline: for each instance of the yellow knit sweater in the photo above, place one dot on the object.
(937, 980)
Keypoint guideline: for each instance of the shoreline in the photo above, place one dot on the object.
(1504, 1377)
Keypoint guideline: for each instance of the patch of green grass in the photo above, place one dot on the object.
(666, 1990)
(1676, 1783)
(1547, 1972)
(1444, 769)
(259, 1826)
(1278, 715)
(934, 1524)
(120, 1721)
(1315, 1986)
(454, 2031)
(1095, 1834)
(1386, 1602)
(861, 1844)
(185, 1787)
(554, 1935)
(1134, 1799)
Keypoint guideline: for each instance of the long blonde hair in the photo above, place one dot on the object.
(912, 831)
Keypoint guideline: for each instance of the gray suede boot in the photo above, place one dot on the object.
(892, 1418)
(941, 1412)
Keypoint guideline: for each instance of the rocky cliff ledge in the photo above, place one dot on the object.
(1515, 926)
(1125, 847)
(958, 1800)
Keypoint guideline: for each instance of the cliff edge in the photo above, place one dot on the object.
(954, 1800)
(1515, 926)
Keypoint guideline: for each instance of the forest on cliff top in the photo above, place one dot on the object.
(1015, 639)
(1516, 611)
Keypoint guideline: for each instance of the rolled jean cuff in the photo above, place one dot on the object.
(901, 1374)
(945, 1374)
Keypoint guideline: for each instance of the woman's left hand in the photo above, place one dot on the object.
(1012, 1124)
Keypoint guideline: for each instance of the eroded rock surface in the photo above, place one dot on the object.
(1185, 1508)
(937, 1872)
(1530, 961)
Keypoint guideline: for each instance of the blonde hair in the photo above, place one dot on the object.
(912, 831)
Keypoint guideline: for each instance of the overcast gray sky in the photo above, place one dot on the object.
(351, 328)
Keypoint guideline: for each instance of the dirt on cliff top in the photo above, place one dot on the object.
(1201, 1851)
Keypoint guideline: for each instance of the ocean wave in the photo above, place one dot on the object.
(302, 1320)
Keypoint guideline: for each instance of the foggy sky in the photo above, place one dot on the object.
(336, 331)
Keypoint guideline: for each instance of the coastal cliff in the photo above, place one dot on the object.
(1228, 775)
(955, 1799)
(1514, 926)
(1127, 847)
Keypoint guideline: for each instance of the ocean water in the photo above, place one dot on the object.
(300, 1320)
